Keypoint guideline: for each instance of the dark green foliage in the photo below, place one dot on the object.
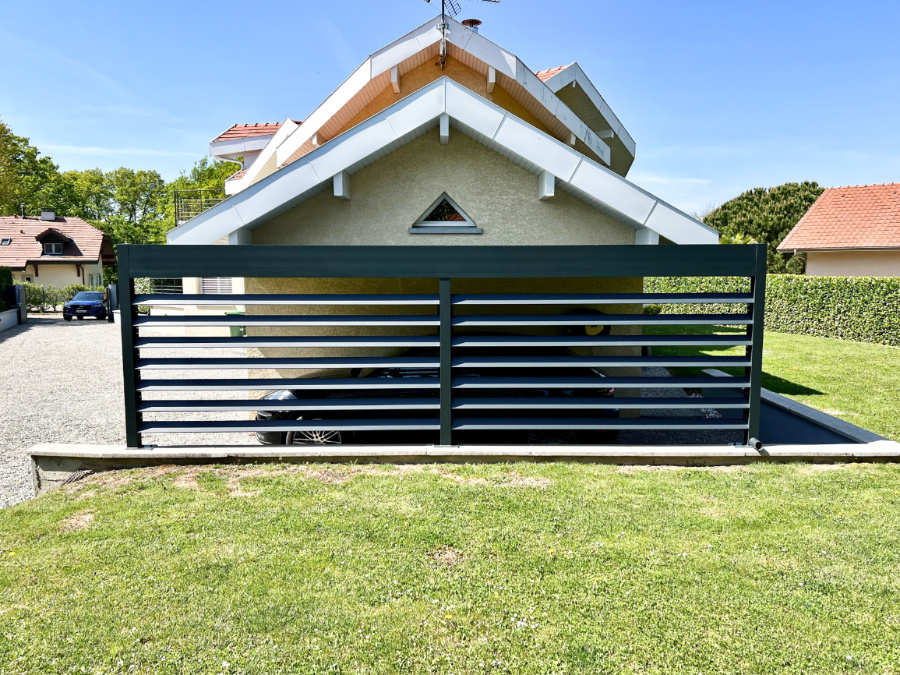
(766, 215)
(131, 206)
(862, 309)
(6, 281)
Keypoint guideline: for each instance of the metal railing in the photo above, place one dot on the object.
(469, 380)
(191, 203)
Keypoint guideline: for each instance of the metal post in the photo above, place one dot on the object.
(755, 350)
(129, 353)
(446, 370)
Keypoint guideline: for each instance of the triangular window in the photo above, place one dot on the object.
(444, 216)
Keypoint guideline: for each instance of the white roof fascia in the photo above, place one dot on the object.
(574, 73)
(328, 109)
(239, 146)
(413, 116)
(285, 130)
(422, 38)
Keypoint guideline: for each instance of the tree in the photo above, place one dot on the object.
(766, 215)
(7, 175)
(27, 177)
(93, 195)
(204, 175)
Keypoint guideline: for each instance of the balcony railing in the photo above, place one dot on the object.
(191, 203)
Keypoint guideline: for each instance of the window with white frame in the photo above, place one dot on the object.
(444, 216)
(53, 248)
(215, 285)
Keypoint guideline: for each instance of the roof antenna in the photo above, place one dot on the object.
(452, 8)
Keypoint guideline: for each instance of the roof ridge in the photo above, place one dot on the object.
(864, 185)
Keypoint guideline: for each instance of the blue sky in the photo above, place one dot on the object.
(720, 96)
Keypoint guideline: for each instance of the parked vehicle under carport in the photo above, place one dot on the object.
(408, 402)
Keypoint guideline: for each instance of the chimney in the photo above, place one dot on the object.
(472, 24)
(48, 215)
(22, 209)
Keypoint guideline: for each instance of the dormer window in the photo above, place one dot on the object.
(53, 248)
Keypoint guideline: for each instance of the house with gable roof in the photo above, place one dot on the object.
(850, 231)
(51, 250)
(440, 138)
(513, 149)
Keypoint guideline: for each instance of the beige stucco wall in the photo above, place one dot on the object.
(59, 275)
(388, 196)
(853, 263)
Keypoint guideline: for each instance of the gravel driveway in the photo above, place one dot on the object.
(62, 383)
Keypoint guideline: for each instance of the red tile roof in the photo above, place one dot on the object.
(237, 175)
(238, 131)
(87, 245)
(544, 75)
(860, 216)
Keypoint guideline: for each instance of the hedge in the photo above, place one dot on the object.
(862, 309)
(46, 298)
(6, 281)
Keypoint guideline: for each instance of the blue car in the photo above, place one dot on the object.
(85, 303)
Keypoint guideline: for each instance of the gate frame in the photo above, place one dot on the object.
(443, 263)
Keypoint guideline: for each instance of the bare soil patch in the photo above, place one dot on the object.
(76, 522)
(446, 556)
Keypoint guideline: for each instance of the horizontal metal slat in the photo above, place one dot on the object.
(168, 427)
(298, 320)
(602, 341)
(662, 423)
(284, 342)
(254, 405)
(601, 298)
(603, 319)
(598, 383)
(599, 361)
(352, 383)
(276, 299)
(286, 363)
(602, 403)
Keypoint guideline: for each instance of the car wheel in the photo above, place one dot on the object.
(552, 437)
(102, 317)
(67, 318)
(305, 437)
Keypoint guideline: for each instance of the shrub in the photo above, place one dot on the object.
(69, 292)
(6, 282)
(862, 309)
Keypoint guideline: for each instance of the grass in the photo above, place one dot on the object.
(855, 381)
(524, 569)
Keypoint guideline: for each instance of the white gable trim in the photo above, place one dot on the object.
(284, 131)
(411, 117)
(423, 37)
(575, 75)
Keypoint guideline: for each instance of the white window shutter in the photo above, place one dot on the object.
(215, 285)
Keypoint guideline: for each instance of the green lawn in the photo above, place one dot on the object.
(855, 381)
(555, 568)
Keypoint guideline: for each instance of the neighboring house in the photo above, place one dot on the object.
(850, 231)
(444, 139)
(51, 250)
